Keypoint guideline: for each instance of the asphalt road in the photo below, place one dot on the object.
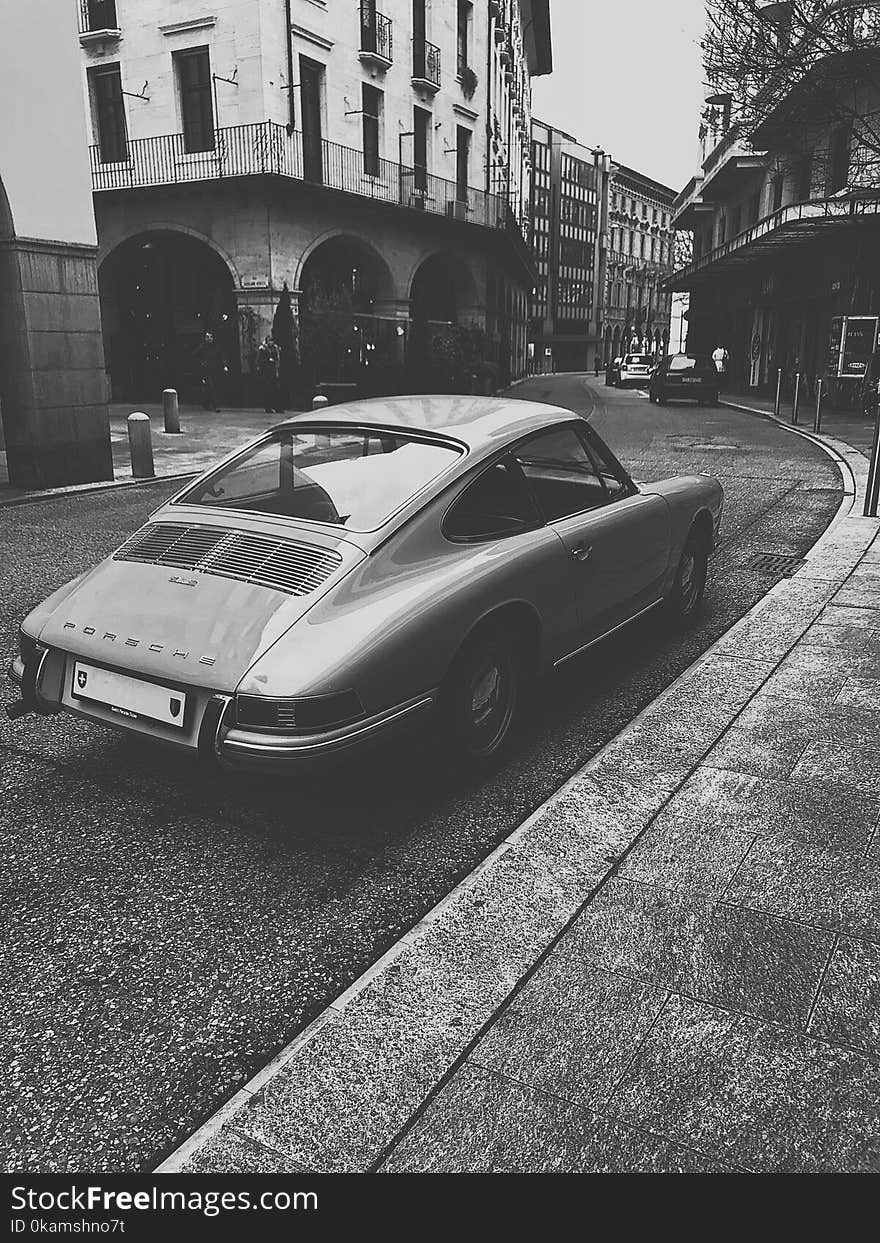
(166, 931)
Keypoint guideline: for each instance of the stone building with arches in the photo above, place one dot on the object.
(376, 164)
(53, 402)
(638, 264)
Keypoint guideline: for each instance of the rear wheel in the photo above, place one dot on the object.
(480, 698)
(689, 587)
(661, 399)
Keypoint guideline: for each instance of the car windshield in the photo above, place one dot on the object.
(351, 477)
(637, 360)
(690, 362)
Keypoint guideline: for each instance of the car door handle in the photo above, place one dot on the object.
(580, 552)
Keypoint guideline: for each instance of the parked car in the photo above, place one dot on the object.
(685, 375)
(348, 572)
(612, 372)
(635, 370)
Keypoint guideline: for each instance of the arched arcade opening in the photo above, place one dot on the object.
(161, 292)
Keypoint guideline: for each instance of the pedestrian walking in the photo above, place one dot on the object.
(721, 359)
(269, 371)
(208, 359)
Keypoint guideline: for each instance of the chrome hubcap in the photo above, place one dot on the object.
(489, 704)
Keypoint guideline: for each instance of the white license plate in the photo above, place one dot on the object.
(690, 379)
(128, 696)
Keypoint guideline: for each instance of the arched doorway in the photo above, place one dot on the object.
(343, 337)
(160, 293)
(446, 351)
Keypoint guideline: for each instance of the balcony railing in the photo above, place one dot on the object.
(426, 62)
(376, 34)
(266, 148)
(97, 15)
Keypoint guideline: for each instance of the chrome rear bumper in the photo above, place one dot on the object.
(251, 750)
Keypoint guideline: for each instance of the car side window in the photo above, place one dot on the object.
(561, 474)
(495, 505)
(609, 471)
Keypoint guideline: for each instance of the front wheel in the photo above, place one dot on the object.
(689, 587)
(480, 699)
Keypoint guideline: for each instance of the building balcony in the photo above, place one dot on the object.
(425, 66)
(97, 21)
(267, 149)
(377, 39)
(783, 230)
(730, 162)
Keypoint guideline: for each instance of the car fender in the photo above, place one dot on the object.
(391, 629)
(689, 498)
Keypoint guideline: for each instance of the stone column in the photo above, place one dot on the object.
(53, 386)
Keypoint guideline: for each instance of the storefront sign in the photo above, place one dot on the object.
(254, 282)
(858, 345)
(851, 344)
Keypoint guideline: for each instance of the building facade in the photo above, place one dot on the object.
(374, 162)
(638, 264)
(53, 402)
(785, 207)
(568, 218)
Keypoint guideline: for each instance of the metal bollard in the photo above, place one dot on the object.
(320, 402)
(170, 410)
(797, 397)
(140, 443)
(778, 406)
(817, 421)
(872, 490)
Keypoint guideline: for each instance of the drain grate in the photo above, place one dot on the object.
(779, 563)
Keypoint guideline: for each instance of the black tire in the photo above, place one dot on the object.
(689, 587)
(661, 399)
(480, 698)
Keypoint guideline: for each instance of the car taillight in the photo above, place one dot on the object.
(305, 715)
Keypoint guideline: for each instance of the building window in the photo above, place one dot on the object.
(372, 107)
(196, 104)
(838, 159)
(421, 127)
(462, 163)
(465, 11)
(736, 219)
(777, 193)
(109, 114)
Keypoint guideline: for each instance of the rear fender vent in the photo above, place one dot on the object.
(280, 564)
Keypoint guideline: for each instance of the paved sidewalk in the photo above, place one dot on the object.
(673, 965)
(856, 430)
(204, 438)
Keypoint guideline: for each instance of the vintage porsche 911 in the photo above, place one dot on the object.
(346, 572)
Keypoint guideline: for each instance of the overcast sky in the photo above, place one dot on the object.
(627, 77)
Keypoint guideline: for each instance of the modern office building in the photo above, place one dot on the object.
(568, 216)
(374, 162)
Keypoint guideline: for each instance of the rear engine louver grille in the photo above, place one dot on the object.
(280, 564)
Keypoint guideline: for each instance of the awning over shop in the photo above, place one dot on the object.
(789, 227)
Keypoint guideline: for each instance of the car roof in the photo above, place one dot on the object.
(482, 424)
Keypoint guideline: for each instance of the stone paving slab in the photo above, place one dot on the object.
(672, 965)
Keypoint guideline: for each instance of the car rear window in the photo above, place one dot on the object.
(350, 477)
(637, 360)
(691, 362)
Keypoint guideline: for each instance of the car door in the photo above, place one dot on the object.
(617, 538)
